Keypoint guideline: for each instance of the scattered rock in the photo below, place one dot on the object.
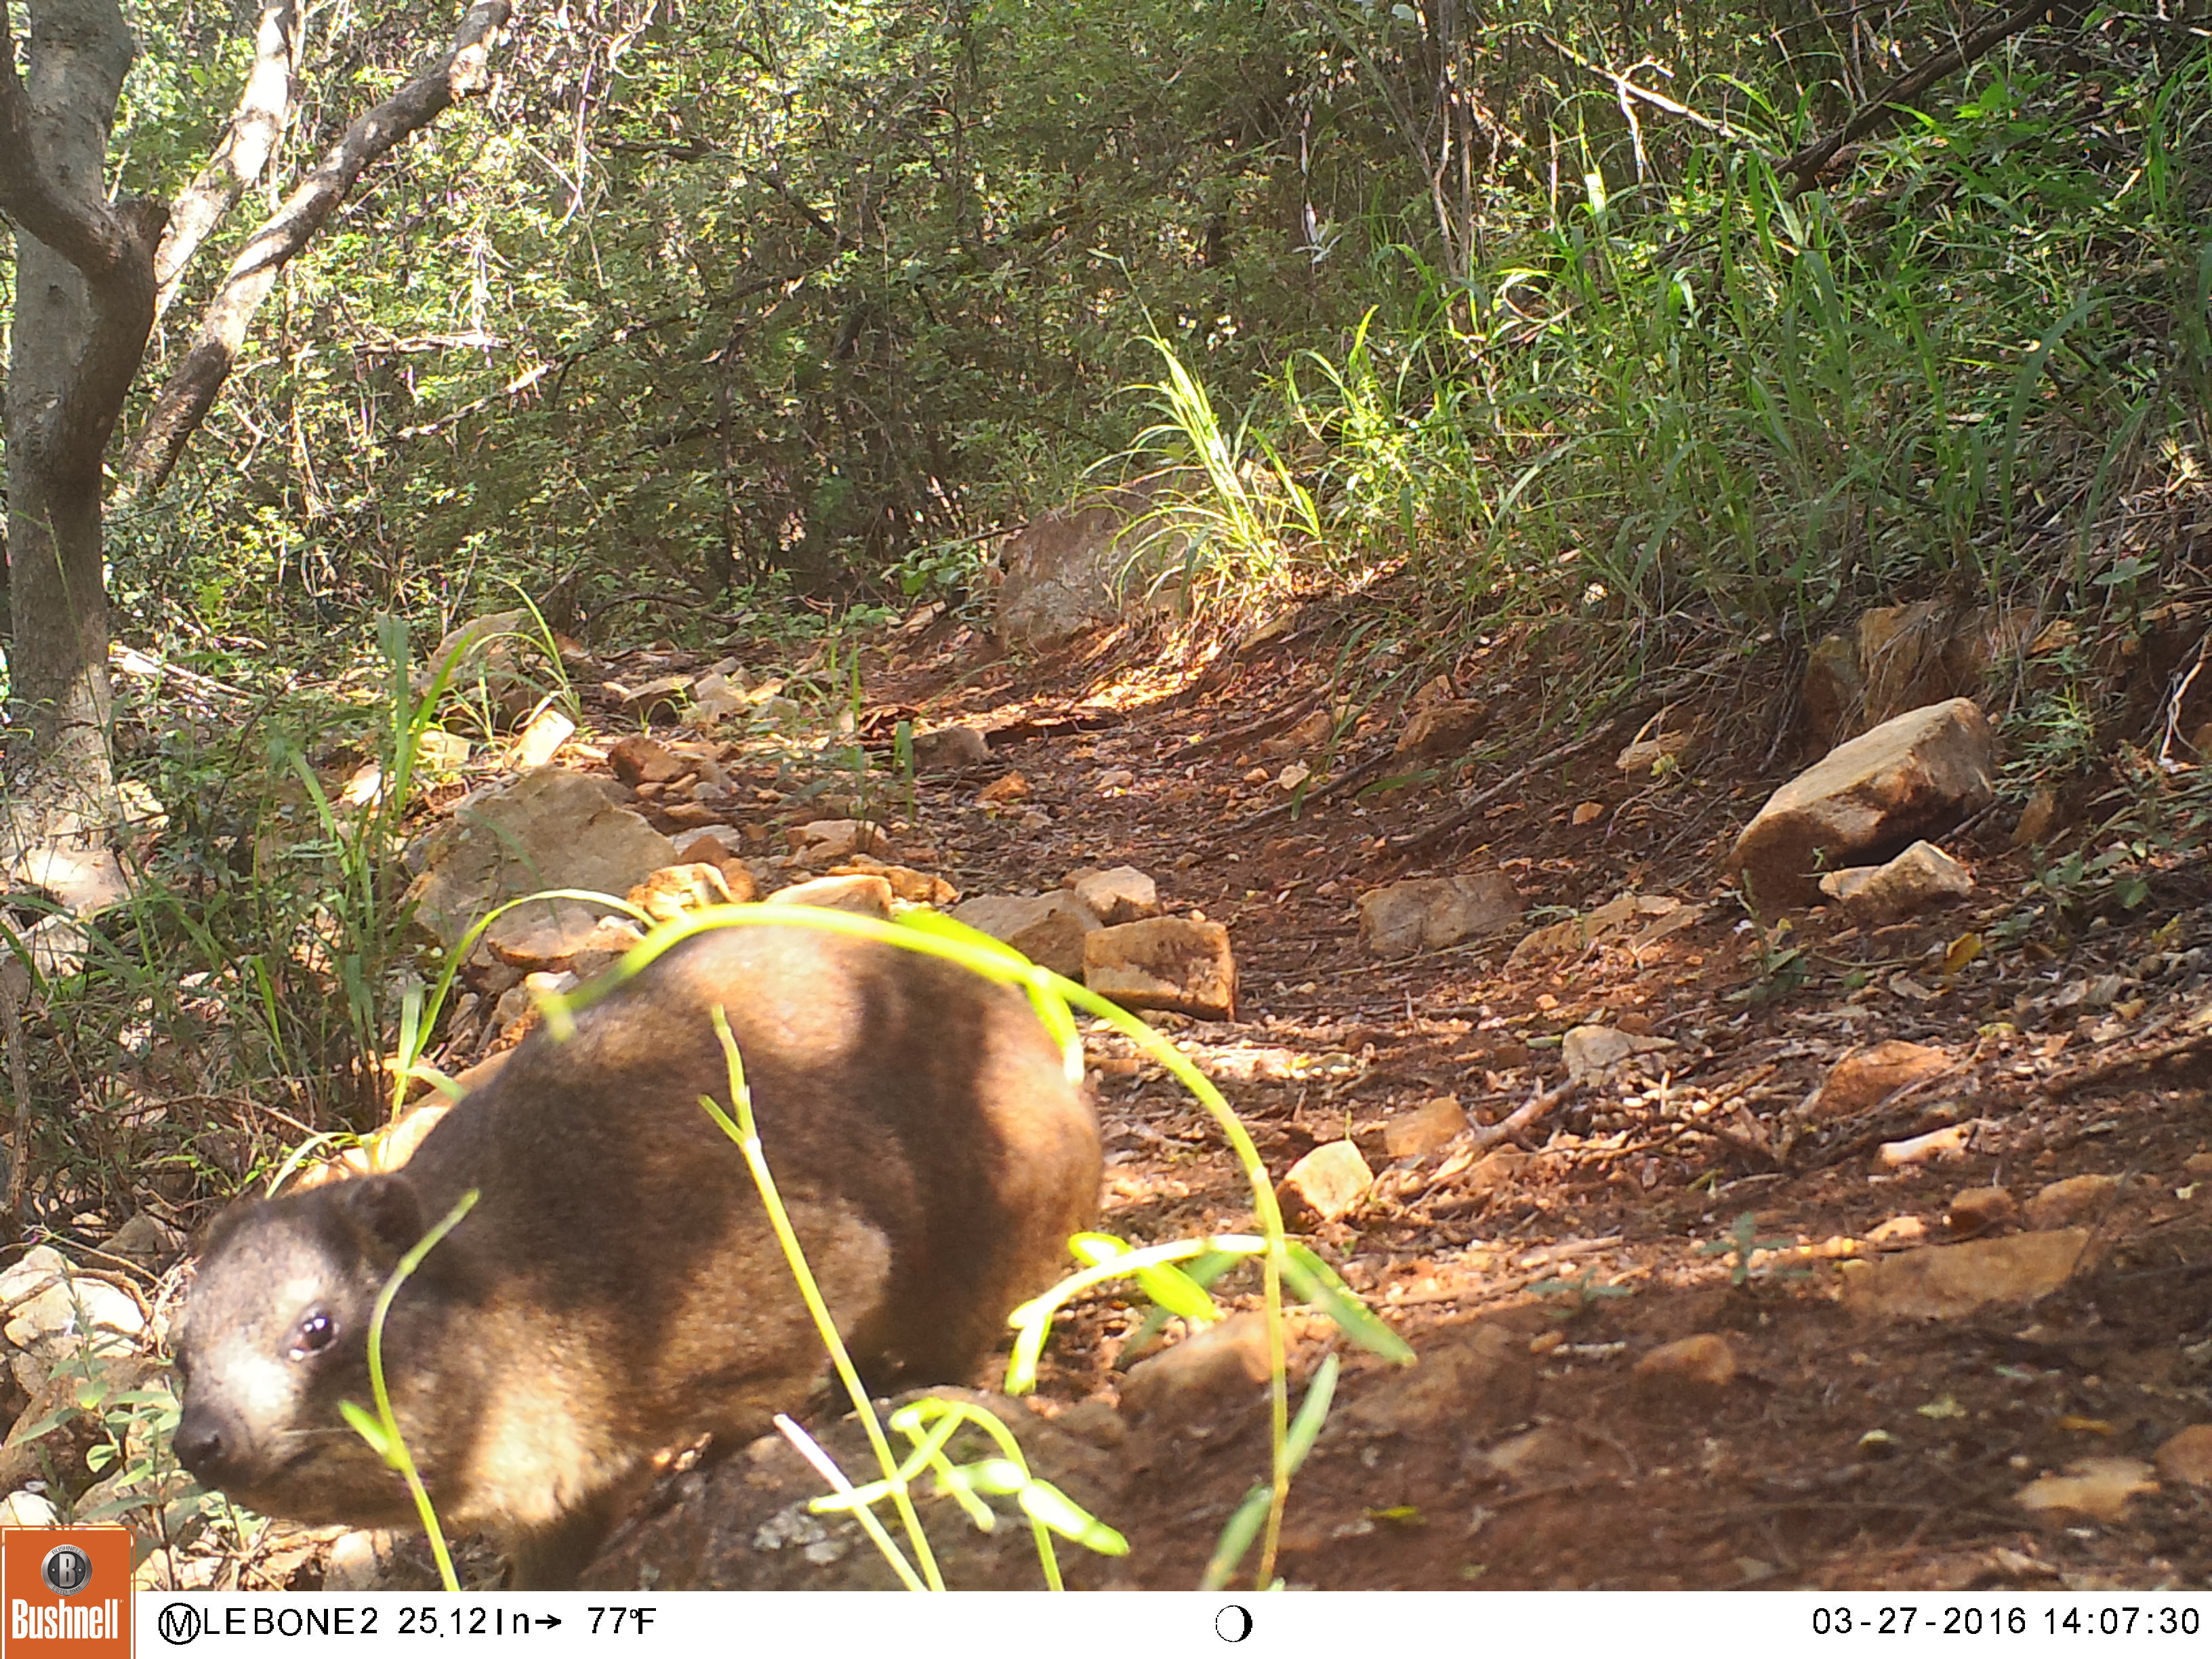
(715, 698)
(1494, 1172)
(1701, 1362)
(548, 829)
(1221, 1362)
(489, 644)
(1165, 962)
(55, 1312)
(363, 1560)
(1548, 1456)
(1978, 1210)
(1897, 1230)
(2072, 1202)
(1124, 893)
(147, 1235)
(2186, 1457)
(826, 841)
(656, 698)
(612, 937)
(1427, 1127)
(544, 935)
(667, 893)
(2096, 1486)
(691, 815)
(1328, 1179)
(1917, 775)
(548, 730)
(1591, 1051)
(1949, 1281)
(638, 759)
(1445, 726)
(737, 875)
(1920, 877)
(950, 749)
(908, 885)
(1049, 931)
(1903, 657)
(1950, 1141)
(1646, 754)
(1432, 912)
(866, 896)
(1870, 1076)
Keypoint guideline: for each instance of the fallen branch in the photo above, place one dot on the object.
(2124, 1065)
(1519, 1119)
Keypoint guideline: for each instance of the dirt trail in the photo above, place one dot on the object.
(1853, 1446)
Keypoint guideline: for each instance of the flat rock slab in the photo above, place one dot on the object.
(1432, 912)
(1951, 1281)
(548, 829)
(1915, 776)
(1048, 930)
(1168, 963)
(1427, 1127)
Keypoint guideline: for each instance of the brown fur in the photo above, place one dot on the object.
(617, 1291)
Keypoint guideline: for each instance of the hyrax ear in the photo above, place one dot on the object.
(386, 1210)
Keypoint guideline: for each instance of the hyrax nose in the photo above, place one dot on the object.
(201, 1444)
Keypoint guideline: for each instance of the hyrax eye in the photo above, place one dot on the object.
(313, 1334)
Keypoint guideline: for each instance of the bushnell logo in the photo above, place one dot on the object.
(68, 1592)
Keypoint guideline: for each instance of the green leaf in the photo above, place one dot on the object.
(1043, 1502)
(1167, 1284)
(1312, 1279)
(363, 1423)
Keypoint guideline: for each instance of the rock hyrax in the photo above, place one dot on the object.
(616, 1291)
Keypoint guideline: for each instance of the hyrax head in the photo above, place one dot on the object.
(276, 1334)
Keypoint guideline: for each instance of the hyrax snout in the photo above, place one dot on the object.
(616, 1292)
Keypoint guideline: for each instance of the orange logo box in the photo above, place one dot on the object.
(64, 1593)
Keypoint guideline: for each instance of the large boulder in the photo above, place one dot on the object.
(1903, 657)
(548, 829)
(1910, 778)
(1072, 569)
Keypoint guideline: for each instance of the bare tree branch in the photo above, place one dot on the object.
(263, 107)
(183, 402)
(1813, 159)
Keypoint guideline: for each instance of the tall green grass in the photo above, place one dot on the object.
(1703, 402)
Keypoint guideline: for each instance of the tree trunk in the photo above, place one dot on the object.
(83, 306)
